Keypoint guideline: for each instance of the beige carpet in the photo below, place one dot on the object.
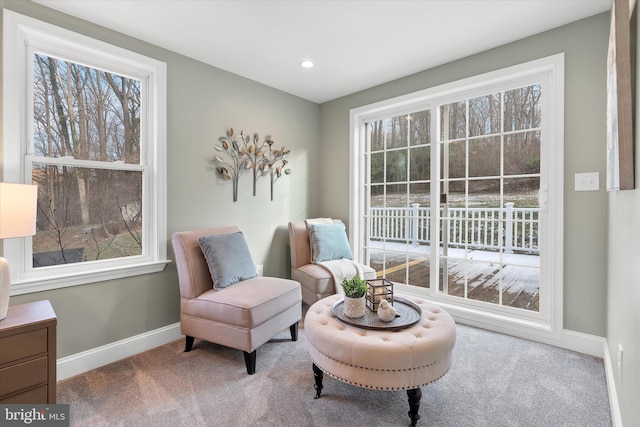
(495, 380)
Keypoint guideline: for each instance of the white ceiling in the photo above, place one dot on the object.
(355, 44)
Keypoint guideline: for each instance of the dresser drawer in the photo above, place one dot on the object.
(26, 344)
(23, 375)
(37, 395)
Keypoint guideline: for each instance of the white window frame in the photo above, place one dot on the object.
(23, 36)
(547, 325)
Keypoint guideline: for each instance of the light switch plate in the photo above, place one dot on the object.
(587, 181)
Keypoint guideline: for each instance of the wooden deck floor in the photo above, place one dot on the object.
(481, 275)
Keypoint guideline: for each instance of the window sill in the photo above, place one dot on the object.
(50, 283)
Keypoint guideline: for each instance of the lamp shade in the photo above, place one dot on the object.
(18, 209)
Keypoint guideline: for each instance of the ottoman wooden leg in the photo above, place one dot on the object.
(414, 395)
(317, 375)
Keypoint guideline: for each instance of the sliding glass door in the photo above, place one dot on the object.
(458, 194)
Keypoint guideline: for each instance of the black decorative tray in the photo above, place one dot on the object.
(409, 312)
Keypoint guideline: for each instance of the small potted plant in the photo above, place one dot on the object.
(355, 290)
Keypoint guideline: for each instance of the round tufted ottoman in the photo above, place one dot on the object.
(406, 359)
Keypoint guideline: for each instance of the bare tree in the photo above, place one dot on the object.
(57, 229)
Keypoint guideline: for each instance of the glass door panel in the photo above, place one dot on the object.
(399, 159)
(490, 177)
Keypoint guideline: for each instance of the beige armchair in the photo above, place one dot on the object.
(243, 315)
(316, 281)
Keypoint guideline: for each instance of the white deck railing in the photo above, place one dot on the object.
(513, 229)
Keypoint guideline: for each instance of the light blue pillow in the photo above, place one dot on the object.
(329, 242)
(228, 258)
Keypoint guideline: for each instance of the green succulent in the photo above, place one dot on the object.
(356, 287)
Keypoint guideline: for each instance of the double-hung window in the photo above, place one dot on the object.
(84, 120)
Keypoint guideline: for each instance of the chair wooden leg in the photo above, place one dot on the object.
(188, 344)
(294, 331)
(250, 361)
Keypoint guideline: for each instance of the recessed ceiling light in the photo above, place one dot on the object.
(306, 64)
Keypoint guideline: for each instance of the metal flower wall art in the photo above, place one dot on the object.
(238, 154)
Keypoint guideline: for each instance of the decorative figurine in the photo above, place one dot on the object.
(386, 312)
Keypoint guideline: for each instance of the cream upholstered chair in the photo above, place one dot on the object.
(243, 315)
(316, 281)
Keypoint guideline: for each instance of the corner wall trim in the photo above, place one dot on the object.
(91, 359)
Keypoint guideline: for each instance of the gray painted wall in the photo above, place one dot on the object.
(585, 46)
(623, 315)
(203, 102)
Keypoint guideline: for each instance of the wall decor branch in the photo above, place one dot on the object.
(256, 153)
(236, 161)
(240, 153)
(274, 163)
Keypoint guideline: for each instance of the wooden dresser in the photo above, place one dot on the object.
(28, 354)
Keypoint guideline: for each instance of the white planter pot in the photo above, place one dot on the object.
(354, 307)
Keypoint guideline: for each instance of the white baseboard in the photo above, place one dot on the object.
(616, 416)
(583, 343)
(567, 339)
(109, 353)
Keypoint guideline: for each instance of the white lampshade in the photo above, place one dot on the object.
(18, 209)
